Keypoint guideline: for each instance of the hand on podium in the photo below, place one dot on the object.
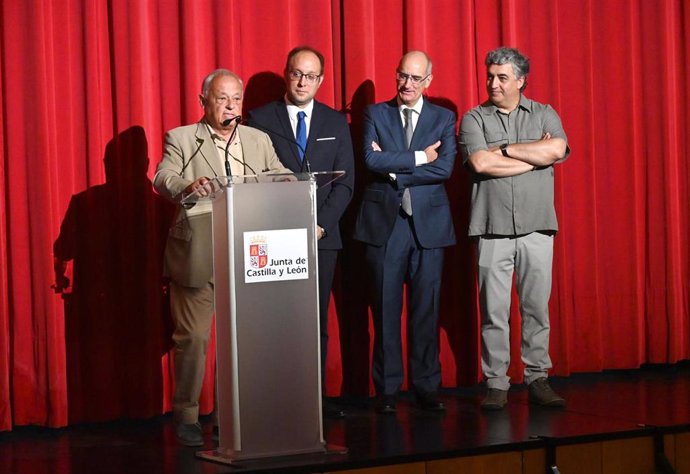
(202, 186)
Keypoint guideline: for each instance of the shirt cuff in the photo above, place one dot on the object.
(419, 158)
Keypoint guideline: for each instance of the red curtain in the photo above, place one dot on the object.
(88, 88)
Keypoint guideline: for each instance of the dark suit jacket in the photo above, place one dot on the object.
(381, 202)
(329, 148)
(188, 154)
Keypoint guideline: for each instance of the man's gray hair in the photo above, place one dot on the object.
(206, 85)
(505, 55)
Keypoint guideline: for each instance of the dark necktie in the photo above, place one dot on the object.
(406, 203)
(409, 130)
(301, 134)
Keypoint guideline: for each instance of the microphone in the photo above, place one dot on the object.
(305, 160)
(244, 164)
(200, 142)
(225, 123)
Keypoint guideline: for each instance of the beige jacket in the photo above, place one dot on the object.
(189, 153)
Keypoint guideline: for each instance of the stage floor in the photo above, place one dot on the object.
(609, 405)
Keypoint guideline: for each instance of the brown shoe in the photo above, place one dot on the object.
(495, 399)
(541, 393)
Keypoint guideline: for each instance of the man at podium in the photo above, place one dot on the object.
(310, 136)
(215, 146)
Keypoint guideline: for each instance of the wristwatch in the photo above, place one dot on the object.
(504, 150)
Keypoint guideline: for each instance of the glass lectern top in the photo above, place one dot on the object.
(216, 186)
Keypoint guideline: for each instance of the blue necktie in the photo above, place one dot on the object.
(301, 134)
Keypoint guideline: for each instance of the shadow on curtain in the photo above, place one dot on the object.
(117, 320)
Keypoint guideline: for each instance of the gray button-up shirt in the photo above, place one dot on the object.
(515, 205)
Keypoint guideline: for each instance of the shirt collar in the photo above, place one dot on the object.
(292, 109)
(488, 108)
(217, 138)
(212, 133)
(417, 107)
(525, 103)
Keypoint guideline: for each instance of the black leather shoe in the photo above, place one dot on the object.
(332, 412)
(385, 405)
(429, 402)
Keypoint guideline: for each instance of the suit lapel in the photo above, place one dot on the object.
(249, 150)
(425, 123)
(286, 130)
(314, 128)
(395, 124)
(208, 148)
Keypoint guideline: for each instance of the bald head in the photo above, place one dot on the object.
(413, 77)
(417, 57)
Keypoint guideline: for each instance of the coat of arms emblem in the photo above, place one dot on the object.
(258, 252)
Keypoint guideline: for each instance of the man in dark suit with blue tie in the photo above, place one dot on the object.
(310, 136)
(405, 220)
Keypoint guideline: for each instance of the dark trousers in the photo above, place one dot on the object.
(327, 262)
(402, 259)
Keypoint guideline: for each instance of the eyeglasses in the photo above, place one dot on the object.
(308, 78)
(402, 77)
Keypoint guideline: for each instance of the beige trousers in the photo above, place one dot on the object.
(192, 313)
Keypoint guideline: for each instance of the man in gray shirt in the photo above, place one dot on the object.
(511, 143)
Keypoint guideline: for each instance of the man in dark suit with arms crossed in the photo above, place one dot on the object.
(405, 220)
(310, 136)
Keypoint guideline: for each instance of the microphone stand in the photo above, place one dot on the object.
(228, 172)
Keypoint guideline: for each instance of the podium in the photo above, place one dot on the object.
(267, 313)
